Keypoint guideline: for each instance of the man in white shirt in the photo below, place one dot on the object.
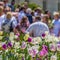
(37, 29)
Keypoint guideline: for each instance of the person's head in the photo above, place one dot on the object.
(1, 9)
(29, 10)
(37, 18)
(15, 14)
(44, 19)
(18, 6)
(5, 1)
(24, 19)
(1, 3)
(7, 9)
(26, 5)
(39, 10)
(12, 2)
(56, 15)
(17, 10)
(32, 13)
(8, 15)
(48, 13)
(22, 9)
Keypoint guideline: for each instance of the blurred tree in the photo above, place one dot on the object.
(26, 0)
(44, 4)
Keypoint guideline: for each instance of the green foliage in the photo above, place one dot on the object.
(33, 6)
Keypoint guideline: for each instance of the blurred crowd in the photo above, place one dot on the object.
(20, 19)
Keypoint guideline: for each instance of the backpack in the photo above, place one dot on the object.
(7, 26)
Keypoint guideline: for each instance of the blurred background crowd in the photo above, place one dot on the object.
(18, 19)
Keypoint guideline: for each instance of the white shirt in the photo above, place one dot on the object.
(2, 18)
(14, 21)
(21, 15)
(37, 29)
(8, 24)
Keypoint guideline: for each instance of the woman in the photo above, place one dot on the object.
(10, 23)
(56, 24)
(24, 24)
(44, 19)
(29, 15)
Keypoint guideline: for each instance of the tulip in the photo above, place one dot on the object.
(29, 39)
(9, 44)
(4, 46)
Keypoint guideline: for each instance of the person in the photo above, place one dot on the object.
(24, 24)
(7, 9)
(45, 19)
(37, 29)
(12, 5)
(1, 3)
(56, 24)
(21, 14)
(2, 16)
(49, 14)
(15, 14)
(10, 23)
(38, 12)
(26, 5)
(17, 10)
(6, 3)
(29, 15)
(37, 19)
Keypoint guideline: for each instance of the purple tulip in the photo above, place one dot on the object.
(41, 53)
(43, 35)
(29, 39)
(45, 47)
(4, 46)
(9, 44)
(44, 51)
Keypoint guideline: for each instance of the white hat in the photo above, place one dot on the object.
(56, 13)
(29, 10)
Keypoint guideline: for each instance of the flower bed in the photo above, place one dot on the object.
(20, 47)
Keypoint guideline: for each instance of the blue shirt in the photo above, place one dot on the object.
(56, 27)
(29, 17)
(21, 15)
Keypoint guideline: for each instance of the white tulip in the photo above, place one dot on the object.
(54, 57)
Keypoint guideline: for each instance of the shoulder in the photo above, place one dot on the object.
(13, 18)
(43, 25)
(3, 16)
(39, 24)
(53, 21)
(59, 20)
